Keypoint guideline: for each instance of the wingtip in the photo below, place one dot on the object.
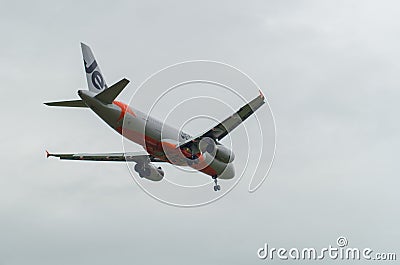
(47, 154)
(261, 94)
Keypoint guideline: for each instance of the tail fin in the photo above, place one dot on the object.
(95, 78)
(96, 83)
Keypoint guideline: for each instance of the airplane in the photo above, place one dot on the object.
(203, 153)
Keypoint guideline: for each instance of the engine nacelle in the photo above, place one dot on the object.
(150, 172)
(224, 154)
(208, 145)
(220, 152)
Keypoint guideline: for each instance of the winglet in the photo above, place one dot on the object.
(261, 94)
(47, 154)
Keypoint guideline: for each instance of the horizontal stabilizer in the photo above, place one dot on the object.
(108, 95)
(70, 103)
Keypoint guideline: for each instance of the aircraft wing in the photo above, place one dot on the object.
(116, 157)
(229, 124)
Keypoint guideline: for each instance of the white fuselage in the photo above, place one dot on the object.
(160, 140)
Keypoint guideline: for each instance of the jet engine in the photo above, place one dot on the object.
(149, 171)
(208, 145)
(224, 154)
(220, 152)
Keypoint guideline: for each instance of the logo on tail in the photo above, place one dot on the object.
(97, 78)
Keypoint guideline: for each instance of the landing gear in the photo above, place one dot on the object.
(216, 186)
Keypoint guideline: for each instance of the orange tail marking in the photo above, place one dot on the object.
(124, 109)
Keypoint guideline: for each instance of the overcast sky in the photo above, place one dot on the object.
(329, 69)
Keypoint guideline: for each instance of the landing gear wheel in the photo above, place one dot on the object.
(216, 186)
